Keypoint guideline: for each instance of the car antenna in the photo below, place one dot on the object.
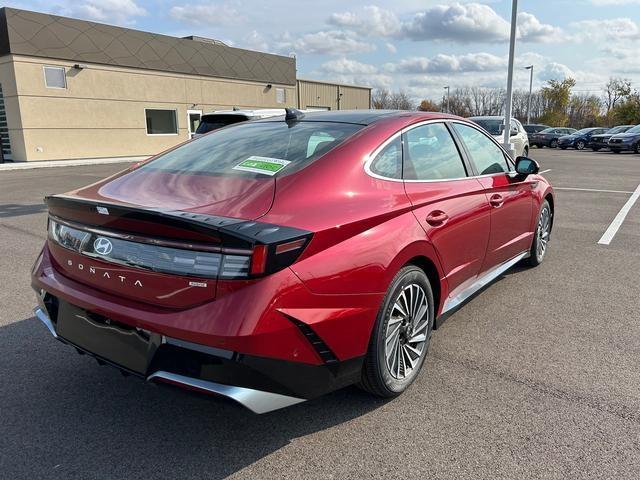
(293, 115)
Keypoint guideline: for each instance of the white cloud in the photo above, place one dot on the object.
(530, 29)
(555, 71)
(205, 14)
(117, 11)
(345, 66)
(463, 23)
(391, 48)
(446, 64)
(333, 42)
(374, 21)
(615, 29)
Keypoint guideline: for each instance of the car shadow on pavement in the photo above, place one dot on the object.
(17, 210)
(64, 416)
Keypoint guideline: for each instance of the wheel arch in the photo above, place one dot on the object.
(549, 198)
(431, 271)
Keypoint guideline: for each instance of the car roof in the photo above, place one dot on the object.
(363, 117)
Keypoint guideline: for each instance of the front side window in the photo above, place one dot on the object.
(161, 122)
(388, 163)
(431, 154)
(54, 77)
(486, 155)
(255, 149)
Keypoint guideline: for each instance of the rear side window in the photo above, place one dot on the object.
(485, 154)
(388, 163)
(431, 154)
(255, 149)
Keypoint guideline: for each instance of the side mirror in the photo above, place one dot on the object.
(514, 130)
(526, 166)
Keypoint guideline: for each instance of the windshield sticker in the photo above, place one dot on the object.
(264, 165)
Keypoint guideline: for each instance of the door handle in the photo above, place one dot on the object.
(437, 218)
(496, 200)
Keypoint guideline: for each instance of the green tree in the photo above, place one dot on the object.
(557, 95)
(627, 112)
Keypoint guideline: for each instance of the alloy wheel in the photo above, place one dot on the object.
(580, 145)
(406, 333)
(544, 230)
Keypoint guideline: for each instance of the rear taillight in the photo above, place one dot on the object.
(271, 249)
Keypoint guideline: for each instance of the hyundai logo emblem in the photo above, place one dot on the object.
(102, 245)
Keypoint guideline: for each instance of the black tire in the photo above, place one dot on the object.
(377, 377)
(542, 234)
(636, 148)
(595, 149)
(615, 150)
(563, 148)
(525, 152)
(553, 143)
(580, 144)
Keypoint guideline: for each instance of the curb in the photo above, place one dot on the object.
(68, 163)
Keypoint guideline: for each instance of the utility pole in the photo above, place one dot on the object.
(512, 52)
(530, 67)
(448, 89)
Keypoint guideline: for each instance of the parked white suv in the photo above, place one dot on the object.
(494, 125)
(222, 118)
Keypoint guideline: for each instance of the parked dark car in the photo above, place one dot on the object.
(598, 142)
(534, 128)
(549, 137)
(629, 140)
(581, 139)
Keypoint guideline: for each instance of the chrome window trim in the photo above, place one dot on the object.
(371, 157)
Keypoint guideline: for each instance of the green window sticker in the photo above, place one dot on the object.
(264, 165)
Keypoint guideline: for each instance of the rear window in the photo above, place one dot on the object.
(255, 149)
(494, 127)
(214, 122)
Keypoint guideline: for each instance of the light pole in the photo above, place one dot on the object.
(530, 67)
(512, 51)
(448, 89)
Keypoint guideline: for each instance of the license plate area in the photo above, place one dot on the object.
(112, 341)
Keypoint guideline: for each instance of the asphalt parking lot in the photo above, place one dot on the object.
(537, 377)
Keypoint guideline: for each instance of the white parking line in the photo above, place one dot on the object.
(617, 222)
(591, 190)
(545, 171)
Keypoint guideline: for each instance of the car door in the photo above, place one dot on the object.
(450, 205)
(510, 197)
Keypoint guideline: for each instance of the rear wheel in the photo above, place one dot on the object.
(580, 144)
(553, 143)
(541, 237)
(636, 149)
(400, 338)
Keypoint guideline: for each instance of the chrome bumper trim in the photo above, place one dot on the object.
(44, 318)
(255, 400)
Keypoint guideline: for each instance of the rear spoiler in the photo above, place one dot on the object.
(230, 232)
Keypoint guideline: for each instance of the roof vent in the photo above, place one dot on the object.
(210, 41)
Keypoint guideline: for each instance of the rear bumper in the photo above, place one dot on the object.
(259, 384)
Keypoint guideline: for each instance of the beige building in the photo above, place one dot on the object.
(72, 89)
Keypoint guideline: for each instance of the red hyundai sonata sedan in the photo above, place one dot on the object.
(273, 261)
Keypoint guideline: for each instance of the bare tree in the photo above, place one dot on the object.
(616, 89)
(384, 99)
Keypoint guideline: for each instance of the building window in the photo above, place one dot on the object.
(281, 95)
(54, 77)
(161, 122)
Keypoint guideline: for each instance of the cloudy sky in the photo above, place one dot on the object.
(417, 46)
